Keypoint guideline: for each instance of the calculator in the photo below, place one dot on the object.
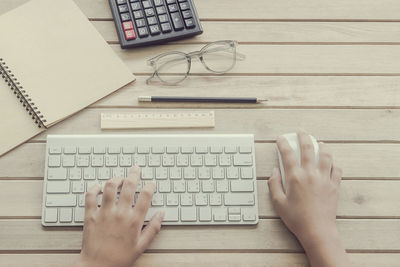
(148, 22)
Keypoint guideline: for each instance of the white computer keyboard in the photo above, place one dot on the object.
(201, 179)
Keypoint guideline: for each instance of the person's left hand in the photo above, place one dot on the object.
(112, 234)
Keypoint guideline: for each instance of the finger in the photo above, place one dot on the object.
(144, 201)
(151, 230)
(289, 157)
(325, 160)
(276, 189)
(129, 187)
(110, 192)
(306, 150)
(91, 199)
(336, 175)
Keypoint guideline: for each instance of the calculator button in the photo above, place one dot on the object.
(187, 14)
(163, 18)
(158, 2)
(177, 21)
(161, 10)
(152, 20)
(184, 6)
(120, 2)
(146, 4)
(189, 23)
(166, 27)
(154, 29)
(173, 8)
(143, 32)
(125, 16)
(127, 25)
(149, 12)
(135, 6)
(171, 1)
(123, 8)
(138, 14)
(140, 23)
(130, 34)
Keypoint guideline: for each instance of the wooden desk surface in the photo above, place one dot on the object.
(331, 67)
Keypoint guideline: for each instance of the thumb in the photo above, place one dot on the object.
(276, 189)
(150, 231)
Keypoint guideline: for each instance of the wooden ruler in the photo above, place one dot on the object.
(143, 120)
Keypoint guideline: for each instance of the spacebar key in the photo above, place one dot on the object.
(239, 199)
(60, 201)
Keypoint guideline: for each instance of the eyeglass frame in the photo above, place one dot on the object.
(199, 53)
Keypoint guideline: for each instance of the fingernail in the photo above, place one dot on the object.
(161, 215)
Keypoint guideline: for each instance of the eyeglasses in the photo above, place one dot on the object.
(173, 67)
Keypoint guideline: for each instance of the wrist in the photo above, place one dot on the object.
(319, 237)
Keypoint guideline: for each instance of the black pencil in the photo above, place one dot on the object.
(190, 99)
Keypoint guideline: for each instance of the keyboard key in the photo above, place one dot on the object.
(97, 160)
(234, 210)
(168, 160)
(154, 160)
(139, 160)
(234, 217)
(65, 215)
(82, 161)
(171, 214)
(246, 172)
(232, 173)
(57, 187)
(79, 214)
(193, 186)
(99, 149)
(114, 150)
(186, 199)
(208, 186)
(166, 27)
(123, 8)
(55, 150)
(135, 6)
(189, 23)
(245, 149)
(230, 149)
(56, 174)
(51, 215)
(218, 173)
(138, 14)
(182, 160)
(89, 174)
(179, 186)
(125, 16)
(243, 160)
(130, 35)
(127, 25)
(219, 214)
(222, 186)
(204, 173)
(204, 214)
(81, 200)
(184, 5)
(139, 23)
(146, 4)
(187, 150)
(172, 199)
(239, 199)
(60, 200)
(242, 186)
(125, 160)
(249, 214)
(118, 172)
(161, 173)
(75, 173)
(164, 186)
(78, 187)
(157, 149)
(104, 174)
(154, 29)
(187, 14)
(69, 150)
(149, 12)
(201, 149)
(210, 160)
(158, 200)
(163, 18)
(161, 10)
(158, 2)
(189, 214)
(225, 160)
(201, 199)
(172, 149)
(177, 21)
(189, 173)
(143, 150)
(54, 161)
(196, 160)
(111, 160)
(175, 173)
(215, 199)
(147, 173)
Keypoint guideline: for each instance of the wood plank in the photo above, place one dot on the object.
(269, 235)
(263, 9)
(283, 32)
(364, 161)
(265, 124)
(372, 199)
(281, 91)
(285, 59)
(202, 259)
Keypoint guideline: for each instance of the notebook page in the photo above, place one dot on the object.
(16, 125)
(59, 57)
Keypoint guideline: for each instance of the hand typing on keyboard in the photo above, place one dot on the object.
(308, 207)
(112, 233)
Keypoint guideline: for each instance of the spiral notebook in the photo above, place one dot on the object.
(53, 64)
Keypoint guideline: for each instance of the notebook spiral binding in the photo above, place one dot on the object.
(21, 94)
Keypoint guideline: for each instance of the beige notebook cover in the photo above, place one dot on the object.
(60, 60)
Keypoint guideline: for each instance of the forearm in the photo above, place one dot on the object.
(325, 250)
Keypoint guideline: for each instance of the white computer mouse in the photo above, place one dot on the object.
(294, 143)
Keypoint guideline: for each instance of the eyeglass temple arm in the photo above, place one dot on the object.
(239, 56)
(150, 78)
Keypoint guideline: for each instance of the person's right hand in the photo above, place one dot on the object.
(112, 234)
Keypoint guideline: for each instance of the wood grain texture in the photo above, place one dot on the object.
(201, 259)
(359, 161)
(358, 199)
(281, 91)
(282, 32)
(269, 235)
